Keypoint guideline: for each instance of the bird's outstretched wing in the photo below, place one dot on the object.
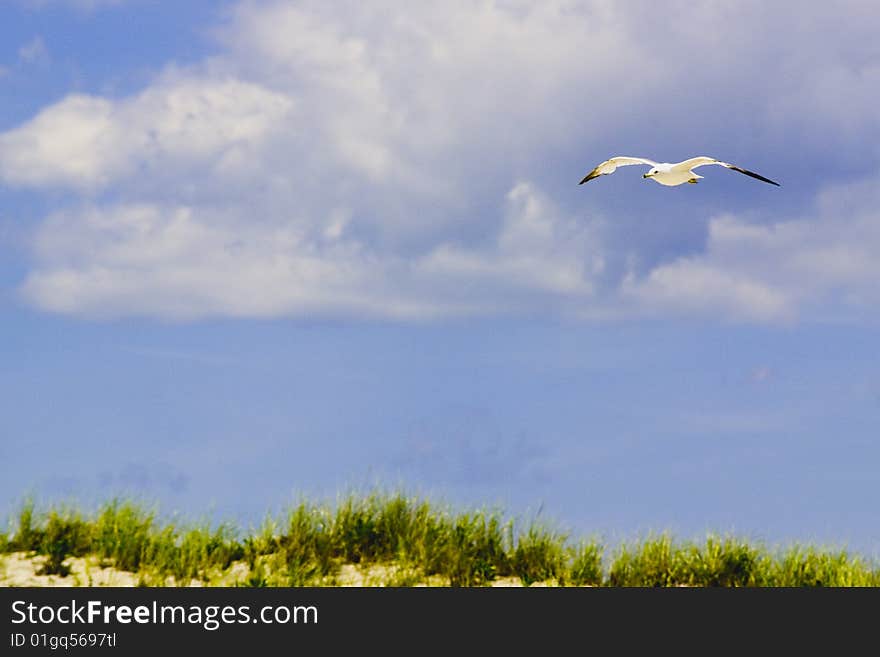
(610, 166)
(695, 162)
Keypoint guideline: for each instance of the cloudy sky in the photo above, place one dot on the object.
(254, 250)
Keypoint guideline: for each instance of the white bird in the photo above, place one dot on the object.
(666, 173)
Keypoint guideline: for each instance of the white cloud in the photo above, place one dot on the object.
(692, 286)
(60, 145)
(403, 160)
(536, 250)
(88, 142)
(824, 260)
(178, 263)
(183, 263)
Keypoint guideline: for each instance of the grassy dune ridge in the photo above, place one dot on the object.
(392, 539)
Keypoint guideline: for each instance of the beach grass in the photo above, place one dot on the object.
(393, 539)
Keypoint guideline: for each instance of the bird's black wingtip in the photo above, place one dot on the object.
(757, 176)
(589, 177)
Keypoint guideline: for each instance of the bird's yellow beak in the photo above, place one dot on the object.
(646, 175)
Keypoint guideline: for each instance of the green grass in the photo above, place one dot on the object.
(411, 541)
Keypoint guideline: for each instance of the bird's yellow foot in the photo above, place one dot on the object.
(693, 181)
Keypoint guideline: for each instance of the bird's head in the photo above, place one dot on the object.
(651, 173)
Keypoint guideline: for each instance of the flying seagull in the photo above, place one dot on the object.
(666, 173)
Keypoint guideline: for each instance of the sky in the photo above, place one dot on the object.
(254, 251)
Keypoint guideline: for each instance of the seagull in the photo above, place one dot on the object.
(666, 173)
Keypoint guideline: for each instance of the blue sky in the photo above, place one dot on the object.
(253, 250)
